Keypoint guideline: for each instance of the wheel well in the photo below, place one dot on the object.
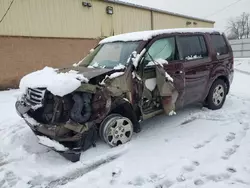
(225, 79)
(125, 109)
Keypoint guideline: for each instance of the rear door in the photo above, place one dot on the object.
(194, 54)
(224, 56)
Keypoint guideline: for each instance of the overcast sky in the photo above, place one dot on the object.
(201, 8)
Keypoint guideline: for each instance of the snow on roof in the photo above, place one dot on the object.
(146, 35)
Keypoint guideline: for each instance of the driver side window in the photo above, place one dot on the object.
(162, 49)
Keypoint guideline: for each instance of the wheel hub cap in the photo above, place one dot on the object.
(119, 131)
(218, 95)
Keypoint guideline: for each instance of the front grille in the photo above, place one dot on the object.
(35, 96)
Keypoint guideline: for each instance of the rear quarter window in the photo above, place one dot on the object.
(219, 44)
(192, 47)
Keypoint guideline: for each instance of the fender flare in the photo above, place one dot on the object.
(223, 77)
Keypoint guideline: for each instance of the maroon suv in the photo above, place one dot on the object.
(126, 79)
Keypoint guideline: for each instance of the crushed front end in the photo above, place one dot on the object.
(65, 124)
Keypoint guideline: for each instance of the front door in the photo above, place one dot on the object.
(162, 74)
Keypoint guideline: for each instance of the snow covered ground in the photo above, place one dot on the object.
(195, 148)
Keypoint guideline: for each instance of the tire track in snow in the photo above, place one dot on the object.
(243, 72)
(35, 183)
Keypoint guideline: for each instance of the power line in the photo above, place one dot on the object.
(224, 8)
(7, 11)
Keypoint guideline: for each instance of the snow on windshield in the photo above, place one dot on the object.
(59, 84)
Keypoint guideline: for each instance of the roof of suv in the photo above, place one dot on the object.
(146, 35)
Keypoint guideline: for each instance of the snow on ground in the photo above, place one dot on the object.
(196, 148)
(242, 65)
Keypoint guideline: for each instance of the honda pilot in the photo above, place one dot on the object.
(124, 80)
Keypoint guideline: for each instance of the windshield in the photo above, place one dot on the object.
(110, 55)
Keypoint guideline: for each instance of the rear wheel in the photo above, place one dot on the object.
(217, 95)
(116, 130)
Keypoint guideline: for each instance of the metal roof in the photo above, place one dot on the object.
(157, 10)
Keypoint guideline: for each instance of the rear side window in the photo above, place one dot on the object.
(192, 47)
(219, 44)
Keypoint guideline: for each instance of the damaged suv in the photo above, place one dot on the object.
(126, 79)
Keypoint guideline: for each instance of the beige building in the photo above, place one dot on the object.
(35, 33)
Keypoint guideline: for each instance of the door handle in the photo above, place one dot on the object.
(179, 72)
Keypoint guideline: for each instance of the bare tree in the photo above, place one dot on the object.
(234, 29)
(239, 27)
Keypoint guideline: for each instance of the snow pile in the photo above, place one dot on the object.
(150, 83)
(59, 84)
(172, 113)
(112, 76)
(159, 61)
(135, 75)
(169, 77)
(146, 35)
(115, 75)
(119, 67)
(31, 120)
(137, 57)
(51, 143)
(193, 57)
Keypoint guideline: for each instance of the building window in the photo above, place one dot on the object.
(192, 47)
(219, 44)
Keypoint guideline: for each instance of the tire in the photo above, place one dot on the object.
(217, 95)
(116, 130)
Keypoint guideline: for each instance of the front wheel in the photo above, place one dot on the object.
(217, 95)
(116, 130)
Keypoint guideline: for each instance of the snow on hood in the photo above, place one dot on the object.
(57, 83)
(146, 35)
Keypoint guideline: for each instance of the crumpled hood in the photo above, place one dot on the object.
(57, 82)
(89, 73)
(60, 82)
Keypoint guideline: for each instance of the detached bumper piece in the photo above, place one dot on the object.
(71, 155)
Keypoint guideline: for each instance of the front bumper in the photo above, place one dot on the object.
(73, 151)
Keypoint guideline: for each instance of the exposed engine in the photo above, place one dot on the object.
(81, 110)
(79, 107)
(54, 110)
